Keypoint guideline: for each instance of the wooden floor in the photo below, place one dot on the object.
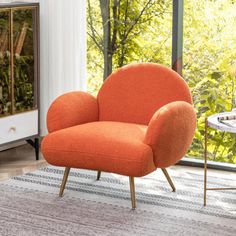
(17, 161)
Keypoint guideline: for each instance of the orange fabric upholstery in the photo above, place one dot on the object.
(135, 92)
(142, 119)
(107, 146)
(71, 109)
(170, 133)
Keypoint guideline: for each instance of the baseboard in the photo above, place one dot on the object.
(210, 164)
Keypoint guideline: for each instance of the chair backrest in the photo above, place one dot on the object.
(135, 92)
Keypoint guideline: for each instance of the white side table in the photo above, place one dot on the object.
(213, 122)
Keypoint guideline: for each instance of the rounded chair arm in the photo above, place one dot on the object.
(71, 109)
(170, 132)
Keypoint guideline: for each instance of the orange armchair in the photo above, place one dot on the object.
(141, 120)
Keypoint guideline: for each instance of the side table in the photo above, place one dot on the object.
(213, 122)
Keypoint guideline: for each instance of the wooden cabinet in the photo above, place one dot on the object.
(19, 73)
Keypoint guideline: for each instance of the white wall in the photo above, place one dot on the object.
(62, 49)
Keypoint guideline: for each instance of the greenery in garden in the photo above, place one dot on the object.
(210, 69)
(139, 31)
(209, 58)
(23, 62)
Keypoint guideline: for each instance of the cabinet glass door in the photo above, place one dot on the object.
(5, 84)
(25, 83)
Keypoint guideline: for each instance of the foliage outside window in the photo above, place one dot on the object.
(142, 31)
(131, 31)
(209, 67)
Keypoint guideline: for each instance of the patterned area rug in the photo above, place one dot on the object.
(29, 205)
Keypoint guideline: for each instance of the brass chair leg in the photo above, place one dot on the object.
(132, 192)
(64, 180)
(98, 175)
(168, 179)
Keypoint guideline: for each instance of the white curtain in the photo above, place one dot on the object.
(62, 50)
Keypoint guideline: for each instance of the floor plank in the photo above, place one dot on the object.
(19, 160)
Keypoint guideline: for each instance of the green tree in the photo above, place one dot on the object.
(122, 24)
(209, 54)
(209, 68)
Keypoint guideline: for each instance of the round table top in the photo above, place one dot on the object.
(213, 122)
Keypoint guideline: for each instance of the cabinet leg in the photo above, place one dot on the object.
(35, 145)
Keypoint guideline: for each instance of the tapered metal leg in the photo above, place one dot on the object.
(132, 192)
(98, 175)
(205, 164)
(168, 179)
(64, 180)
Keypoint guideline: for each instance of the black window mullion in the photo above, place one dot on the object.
(177, 35)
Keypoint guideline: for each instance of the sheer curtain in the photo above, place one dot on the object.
(62, 50)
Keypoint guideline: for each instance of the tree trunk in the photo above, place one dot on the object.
(107, 50)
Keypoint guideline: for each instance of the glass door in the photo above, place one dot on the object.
(5, 84)
(25, 83)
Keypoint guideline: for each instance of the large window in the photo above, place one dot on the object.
(209, 67)
(130, 31)
(120, 32)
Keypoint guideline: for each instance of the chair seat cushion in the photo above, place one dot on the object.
(107, 146)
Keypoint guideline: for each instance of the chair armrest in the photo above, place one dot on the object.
(170, 132)
(71, 109)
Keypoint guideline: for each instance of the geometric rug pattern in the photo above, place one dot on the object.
(29, 204)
